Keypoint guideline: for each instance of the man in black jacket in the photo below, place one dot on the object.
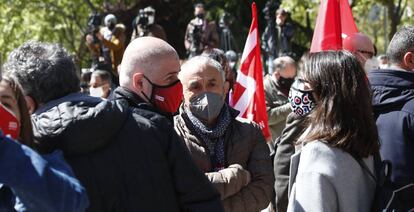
(393, 104)
(128, 159)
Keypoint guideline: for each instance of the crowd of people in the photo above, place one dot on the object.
(145, 132)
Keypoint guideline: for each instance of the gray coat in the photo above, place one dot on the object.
(330, 179)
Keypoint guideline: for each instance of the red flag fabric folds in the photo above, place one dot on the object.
(334, 22)
(248, 95)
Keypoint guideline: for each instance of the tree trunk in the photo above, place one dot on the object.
(395, 13)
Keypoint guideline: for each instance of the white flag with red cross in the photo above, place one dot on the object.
(248, 94)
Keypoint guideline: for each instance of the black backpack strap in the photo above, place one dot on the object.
(365, 168)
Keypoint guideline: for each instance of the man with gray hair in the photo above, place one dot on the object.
(393, 104)
(276, 87)
(230, 150)
(128, 159)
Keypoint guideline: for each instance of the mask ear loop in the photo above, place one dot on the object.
(145, 95)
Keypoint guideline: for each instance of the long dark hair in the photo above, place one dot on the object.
(26, 131)
(343, 115)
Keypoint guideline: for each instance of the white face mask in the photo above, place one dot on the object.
(384, 66)
(278, 21)
(371, 64)
(151, 19)
(96, 92)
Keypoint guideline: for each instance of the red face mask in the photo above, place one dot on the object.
(8, 123)
(166, 98)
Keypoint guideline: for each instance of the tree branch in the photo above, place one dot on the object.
(90, 5)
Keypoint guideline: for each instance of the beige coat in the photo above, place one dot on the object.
(245, 149)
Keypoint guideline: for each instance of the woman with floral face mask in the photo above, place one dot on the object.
(340, 133)
(231, 151)
(28, 181)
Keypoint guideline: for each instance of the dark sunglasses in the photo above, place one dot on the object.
(370, 54)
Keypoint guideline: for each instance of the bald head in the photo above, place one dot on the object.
(146, 55)
(360, 45)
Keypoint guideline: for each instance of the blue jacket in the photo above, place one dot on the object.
(393, 104)
(30, 182)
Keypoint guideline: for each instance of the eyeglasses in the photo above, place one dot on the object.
(370, 54)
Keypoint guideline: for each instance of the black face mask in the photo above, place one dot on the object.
(200, 15)
(285, 83)
(111, 26)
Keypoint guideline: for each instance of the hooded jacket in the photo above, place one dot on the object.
(127, 158)
(393, 104)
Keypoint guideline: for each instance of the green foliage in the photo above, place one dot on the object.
(64, 21)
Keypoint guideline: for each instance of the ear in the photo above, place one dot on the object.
(137, 81)
(30, 103)
(408, 60)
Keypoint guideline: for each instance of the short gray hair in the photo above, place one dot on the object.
(45, 71)
(204, 61)
(401, 43)
(281, 62)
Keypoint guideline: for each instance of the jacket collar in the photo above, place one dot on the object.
(391, 77)
(73, 97)
(136, 101)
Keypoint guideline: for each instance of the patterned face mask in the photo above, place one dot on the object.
(301, 100)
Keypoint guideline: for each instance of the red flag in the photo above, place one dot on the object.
(248, 95)
(348, 26)
(334, 22)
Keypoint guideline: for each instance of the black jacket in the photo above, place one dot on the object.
(393, 104)
(127, 158)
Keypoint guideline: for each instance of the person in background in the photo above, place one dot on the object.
(331, 171)
(393, 103)
(276, 87)
(383, 61)
(230, 150)
(112, 37)
(144, 25)
(233, 59)
(100, 84)
(201, 34)
(362, 47)
(284, 147)
(227, 41)
(85, 79)
(29, 181)
(277, 40)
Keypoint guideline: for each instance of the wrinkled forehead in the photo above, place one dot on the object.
(201, 72)
(201, 65)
